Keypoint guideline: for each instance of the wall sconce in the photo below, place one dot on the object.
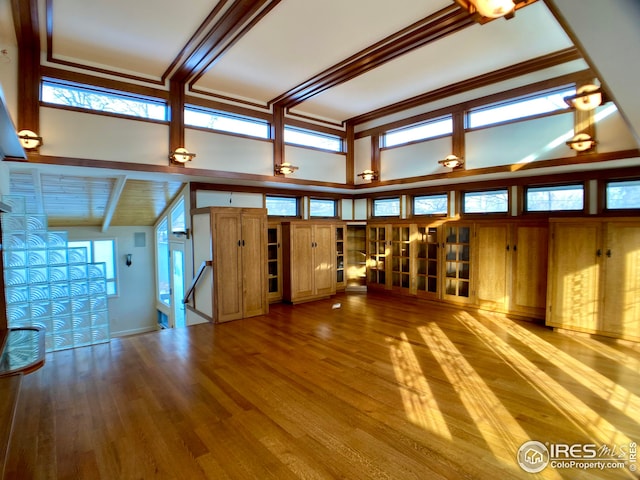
(451, 161)
(581, 142)
(285, 169)
(181, 155)
(587, 97)
(128, 260)
(29, 140)
(368, 175)
(181, 233)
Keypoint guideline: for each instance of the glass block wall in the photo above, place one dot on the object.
(49, 284)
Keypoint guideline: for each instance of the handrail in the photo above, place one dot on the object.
(192, 287)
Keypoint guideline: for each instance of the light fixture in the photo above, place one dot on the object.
(181, 155)
(368, 175)
(451, 161)
(581, 142)
(587, 97)
(494, 8)
(285, 169)
(128, 259)
(29, 140)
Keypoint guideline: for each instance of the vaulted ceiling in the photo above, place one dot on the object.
(328, 62)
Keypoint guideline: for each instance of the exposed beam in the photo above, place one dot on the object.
(444, 22)
(116, 192)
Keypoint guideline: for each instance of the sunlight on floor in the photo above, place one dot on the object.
(418, 400)
(629, 362)
(595, 427)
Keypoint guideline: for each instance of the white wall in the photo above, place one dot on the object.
(132, 310)
(317, 165)
(211, 198)
(414, 159)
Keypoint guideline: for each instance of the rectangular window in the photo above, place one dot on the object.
(224, 122)
(623, 195)
(554, 198)
(281, 206)
(431, 204)
(93, 98)
(162, 262)
(178, 224)
(517, 109)
(493, 201)
(324, 207)
(386, 207)
(422, 131)
(101, 251)
(307, 138)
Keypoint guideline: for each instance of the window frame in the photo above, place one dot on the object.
(231, 116)
(288, 197)
(525, 208)
(382, 199)
(442, 118)
(617, 211)
(91, 259)
(336, 208)
(108, 92)
(562, 91)
(463, 194)
(425, 215)
(158, 292)
(313, 133)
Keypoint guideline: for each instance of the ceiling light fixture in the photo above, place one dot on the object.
(29, 140)
(494, 8)
(181, 155)
(285, 169)
(451, 161)
(587, 97)
(368, 175)
(581, 142)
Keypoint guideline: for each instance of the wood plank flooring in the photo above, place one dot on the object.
(376, 389)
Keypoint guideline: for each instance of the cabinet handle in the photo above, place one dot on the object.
(609, 253)
(598, 253)
(507, 248)
(243, 243)
(515, 248)
(238, 242)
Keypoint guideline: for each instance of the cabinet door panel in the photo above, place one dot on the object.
(574, 288)
(530, 251)
(253, 273)
(492, 255)
(622, 287)
(323, 256)
(301, 260)
(229, 266)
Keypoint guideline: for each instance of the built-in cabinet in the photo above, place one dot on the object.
(594, 276)
(235, 239)
(309, 260)
(274, 262)
(341, 257)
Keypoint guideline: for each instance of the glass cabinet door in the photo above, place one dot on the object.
(377, 256)
(457, 262)
(427, 261)
(340, 257)
(274, 263)
(401, 257)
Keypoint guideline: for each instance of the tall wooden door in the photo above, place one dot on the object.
(621, 299)
(573, 298)
(253, 245)
(302, 281)
(492, 255)
(227, 239)
(323, 259)
(529, 246)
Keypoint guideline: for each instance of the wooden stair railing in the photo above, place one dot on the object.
(196, 278)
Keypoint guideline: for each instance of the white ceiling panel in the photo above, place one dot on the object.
(299, 39)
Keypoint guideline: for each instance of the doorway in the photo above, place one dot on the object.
(177, 319)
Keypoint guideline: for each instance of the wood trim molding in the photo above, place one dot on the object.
(444, 22)
(25, 19)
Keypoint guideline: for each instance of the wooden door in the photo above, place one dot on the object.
(377, 254)
(227, 240)
(492, 257)
(274, 262)
(254, 289)
(323, 259)
(529, 254)
(573, 300)
(621, 299)
(457, 263)
(401, 258)
(301, 261)
(427, 271)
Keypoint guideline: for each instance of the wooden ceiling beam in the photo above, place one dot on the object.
(114, 198)
(444, 22)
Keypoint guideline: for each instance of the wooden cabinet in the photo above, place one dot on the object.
(457, 263)
(274, 262)
(511, 262)
(427, 270)
(401, 258)
(389, 257)
(378, 251)
(236, 239)
(594, 276)
(309, 256)
(341, 257)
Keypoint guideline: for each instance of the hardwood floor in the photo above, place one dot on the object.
(374, 389)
